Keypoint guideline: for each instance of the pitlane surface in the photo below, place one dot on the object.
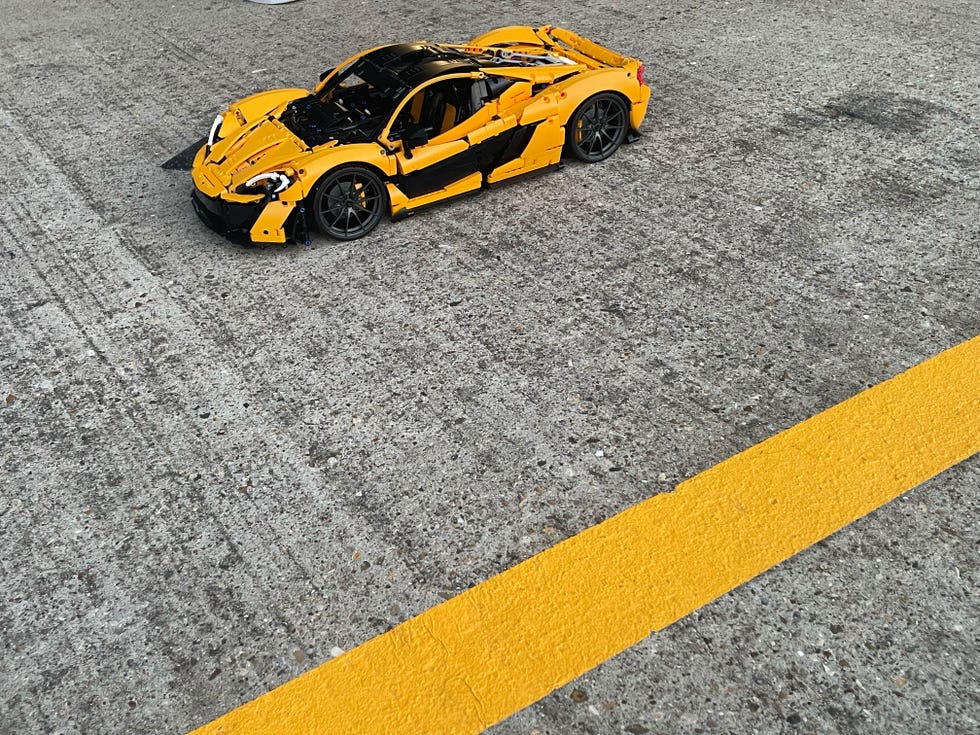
(618, 309)
(472, 661)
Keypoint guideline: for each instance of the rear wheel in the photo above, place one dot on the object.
(598, 127)
(349, 202)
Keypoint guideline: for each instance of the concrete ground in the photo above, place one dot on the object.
(219, 465)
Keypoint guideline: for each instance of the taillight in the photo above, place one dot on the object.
(639, 73)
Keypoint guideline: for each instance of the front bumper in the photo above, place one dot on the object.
(233, 220)
(237, 220)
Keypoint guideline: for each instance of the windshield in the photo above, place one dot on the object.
(352, 107)
(366, 93)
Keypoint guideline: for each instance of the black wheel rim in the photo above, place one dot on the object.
(600, 128)
(350, 204)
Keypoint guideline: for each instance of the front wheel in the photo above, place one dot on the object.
(348, 202)
(598, 127)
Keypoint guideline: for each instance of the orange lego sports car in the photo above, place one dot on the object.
(400, 127)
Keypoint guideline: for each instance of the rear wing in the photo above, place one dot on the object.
(585, 47)
(558, 40)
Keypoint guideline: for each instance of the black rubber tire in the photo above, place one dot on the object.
(349, 202)
(598, 127)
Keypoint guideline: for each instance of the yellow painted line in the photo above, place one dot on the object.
(470, 662)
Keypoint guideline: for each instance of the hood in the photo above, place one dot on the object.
(317, 122)
(265, 146)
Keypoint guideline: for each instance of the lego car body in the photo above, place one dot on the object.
(403, 126)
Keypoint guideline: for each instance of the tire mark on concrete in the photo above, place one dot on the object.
(176, 323)
(69, 290)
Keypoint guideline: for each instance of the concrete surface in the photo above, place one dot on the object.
(221, 464)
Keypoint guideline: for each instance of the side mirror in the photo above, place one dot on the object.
(414, 136)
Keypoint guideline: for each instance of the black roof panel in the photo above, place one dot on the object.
(414, 63)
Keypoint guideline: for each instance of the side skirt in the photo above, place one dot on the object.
(408, 212)
(525, 176)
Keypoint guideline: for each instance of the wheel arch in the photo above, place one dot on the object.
(368, 155)
(626, 101)
(381, 173)
(575, 91)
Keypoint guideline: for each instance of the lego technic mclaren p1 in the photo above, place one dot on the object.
(404, 126)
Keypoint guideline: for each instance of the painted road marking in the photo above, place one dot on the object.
(474, 660)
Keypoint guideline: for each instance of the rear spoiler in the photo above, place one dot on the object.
(584, 46)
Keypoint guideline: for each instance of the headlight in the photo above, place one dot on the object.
(213, 135)
(271, 183)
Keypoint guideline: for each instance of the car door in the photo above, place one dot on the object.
(439, 114)
(463, 133)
